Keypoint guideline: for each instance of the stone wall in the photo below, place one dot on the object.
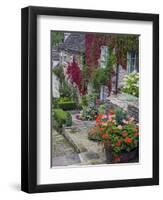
(127, 102)
(134, 112)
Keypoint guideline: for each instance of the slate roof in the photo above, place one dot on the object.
(74, 43)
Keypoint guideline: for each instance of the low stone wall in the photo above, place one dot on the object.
(127, 102)
(134, 112)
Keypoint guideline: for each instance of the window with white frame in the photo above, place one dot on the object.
(132, 62)
(104, 56)
(103, 63)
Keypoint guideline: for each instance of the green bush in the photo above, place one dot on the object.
(69, 105)
(65, 89)
(89, 111)
(64, 103)
(120, 115)
(84, 101)
(102, 109)
(68, 119)
(60, 118)
(99, 78)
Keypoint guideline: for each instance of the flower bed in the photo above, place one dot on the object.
(117, 133)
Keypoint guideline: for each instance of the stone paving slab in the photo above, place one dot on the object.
(63, 153)
(66, 160)
(73, 147)
(90, 151)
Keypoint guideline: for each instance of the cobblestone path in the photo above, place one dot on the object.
(63, 153)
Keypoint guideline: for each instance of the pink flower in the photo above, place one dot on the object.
(131, 119)
(111, 117)
(125, 121)
(119, 127)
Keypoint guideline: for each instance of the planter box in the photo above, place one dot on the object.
(125, 157)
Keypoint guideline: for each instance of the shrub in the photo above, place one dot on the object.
(65, 89)
(69, 105)
(84, 101)
(68, 119)
(89, 111)
(102, 108)
(120, 115)
(60, 118)
(131, 84)
(64, 103)
(99, 78)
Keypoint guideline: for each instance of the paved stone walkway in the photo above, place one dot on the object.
(74, 147)
(63, 152)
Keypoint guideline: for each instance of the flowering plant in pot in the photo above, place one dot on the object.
(120, 140)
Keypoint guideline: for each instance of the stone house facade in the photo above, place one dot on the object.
(74, 47)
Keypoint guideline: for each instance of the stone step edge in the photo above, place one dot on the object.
(71, 141)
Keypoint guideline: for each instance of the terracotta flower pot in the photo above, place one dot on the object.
(125, 157)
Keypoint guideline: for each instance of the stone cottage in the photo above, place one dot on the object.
(74, 47)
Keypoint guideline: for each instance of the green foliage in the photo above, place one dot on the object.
(111, 61)
(68, 121)
(99, 78)
(131, 134)
(65, 89)
(60, 118)
(89, 111)
(91, 99)
(123, 44)
(58, 71)
(120, 115)
(131, 84)
(56, 37)
(64, 103)
(68, 105)
(84, 101)
(119, 137)
(102, 108)
(85, 73)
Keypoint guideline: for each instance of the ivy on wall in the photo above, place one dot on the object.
(118, 46)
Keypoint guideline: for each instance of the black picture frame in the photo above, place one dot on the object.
(29, 99)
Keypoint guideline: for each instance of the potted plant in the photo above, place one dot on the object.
(120, 140)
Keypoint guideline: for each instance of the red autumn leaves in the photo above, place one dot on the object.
(75, 76)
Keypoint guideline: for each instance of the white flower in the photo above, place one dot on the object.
(119, 127)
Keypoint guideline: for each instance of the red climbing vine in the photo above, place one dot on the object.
(75, 76)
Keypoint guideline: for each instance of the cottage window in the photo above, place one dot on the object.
(104, 56)
(103, 64)
(132, 62)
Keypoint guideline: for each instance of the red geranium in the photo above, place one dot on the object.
(101, 129)
(118, 143)
(128, 140)
(105, 136)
